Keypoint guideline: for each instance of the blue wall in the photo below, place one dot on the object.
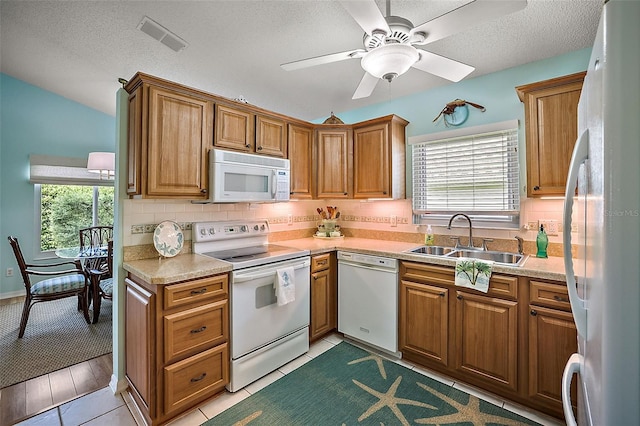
(34, 121)
(496, 92)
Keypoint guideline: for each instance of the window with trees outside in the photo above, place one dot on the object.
(68, 198)
(65, 209)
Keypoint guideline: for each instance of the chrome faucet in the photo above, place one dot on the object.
(470, 228)
(520, 244)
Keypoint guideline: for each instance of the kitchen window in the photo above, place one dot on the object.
(68, 198)
(473, 171)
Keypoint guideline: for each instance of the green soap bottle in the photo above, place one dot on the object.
(428, 238)
(542, 241)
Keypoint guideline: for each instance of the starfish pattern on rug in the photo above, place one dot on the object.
(388, 399)
(248, 419)
(375, 358)
(469, 412)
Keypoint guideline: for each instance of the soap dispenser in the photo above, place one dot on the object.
(542, 241)
(428, 238)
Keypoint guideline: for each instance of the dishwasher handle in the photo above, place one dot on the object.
(388, 269)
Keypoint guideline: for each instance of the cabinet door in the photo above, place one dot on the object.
(321, 304)
(371, 162)
(424, 320)
(334, 163)
(234, 129)
(486, 339)
(300, 156)
(134, 143)
(139, 341)
(551, 114)
(180, 132)
(552, 340)
(271, 136)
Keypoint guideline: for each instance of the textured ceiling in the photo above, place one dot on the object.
(78, 49)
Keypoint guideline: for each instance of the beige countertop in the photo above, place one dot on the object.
(551, 268)
(191, 266)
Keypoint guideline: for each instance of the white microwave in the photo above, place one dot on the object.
(236, 177)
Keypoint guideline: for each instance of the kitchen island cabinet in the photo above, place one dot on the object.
(176, 337)
(170, 129)
(324, 294)
(551, 119)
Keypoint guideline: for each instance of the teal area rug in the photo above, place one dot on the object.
(349, 386)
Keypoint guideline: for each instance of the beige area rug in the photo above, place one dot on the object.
(56, 337)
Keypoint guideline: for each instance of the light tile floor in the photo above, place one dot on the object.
(104, 408)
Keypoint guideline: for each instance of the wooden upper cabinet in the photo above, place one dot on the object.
(379, 158)
(300, 155)
(271, 136)
(551, 116)
(234, 129)
(170, 132)
(334, 158)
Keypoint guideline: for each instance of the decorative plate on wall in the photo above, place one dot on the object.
(168, 238)
(458, 116)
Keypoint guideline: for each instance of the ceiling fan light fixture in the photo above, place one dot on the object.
(389, 61)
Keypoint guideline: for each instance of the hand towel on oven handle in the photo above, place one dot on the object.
(285, 285)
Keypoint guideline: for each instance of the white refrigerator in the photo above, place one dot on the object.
(604, 276)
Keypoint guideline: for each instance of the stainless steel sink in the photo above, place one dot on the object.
(505, 258)
(499, 257)
(431, 250)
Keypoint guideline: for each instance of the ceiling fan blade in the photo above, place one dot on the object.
(367, 15)
(467, 16)
(442, 67)
(366, 86)
(325, 59)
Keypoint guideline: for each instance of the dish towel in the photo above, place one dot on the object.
(473, 273)
(285, 286)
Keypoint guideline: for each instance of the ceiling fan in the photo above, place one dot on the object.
(390, 43)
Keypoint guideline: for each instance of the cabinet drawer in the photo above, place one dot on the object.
(551, 295)
(320, 262)
(195, 378)
(195, 329)
(195, 291)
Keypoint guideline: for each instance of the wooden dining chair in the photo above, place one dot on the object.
(63, 283)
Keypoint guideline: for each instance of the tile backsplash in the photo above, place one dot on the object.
(141, 217)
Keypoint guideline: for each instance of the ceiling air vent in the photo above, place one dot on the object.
(160, 33)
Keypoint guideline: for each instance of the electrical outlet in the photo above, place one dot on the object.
(137, 229)
(550, 226)
(533, 226)
(148, 229)
(289, 219)
(9, 272)
(393, 219)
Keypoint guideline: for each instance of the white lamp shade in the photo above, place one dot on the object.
(390, 60)
(101, 162)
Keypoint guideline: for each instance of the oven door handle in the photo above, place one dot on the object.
(240, 278)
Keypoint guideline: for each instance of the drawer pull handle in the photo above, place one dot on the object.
(534, 312)
(199, 330)
(196, 292)
(441, 294)
(197, 379)
(459, 297)
(322, 263)
(560, 298)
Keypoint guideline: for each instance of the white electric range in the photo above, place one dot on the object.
(264, 335)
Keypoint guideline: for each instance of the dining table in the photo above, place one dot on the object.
(89, 258)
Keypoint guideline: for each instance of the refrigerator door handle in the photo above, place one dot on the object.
(580, 154)
(573, 366)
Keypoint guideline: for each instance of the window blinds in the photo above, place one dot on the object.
(475, 173)
(44, 169)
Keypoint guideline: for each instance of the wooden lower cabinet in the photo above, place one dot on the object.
(512, 341)
(176, 339)
(324, 293)
(486, 336)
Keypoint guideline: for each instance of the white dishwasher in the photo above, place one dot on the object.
(368, 299)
